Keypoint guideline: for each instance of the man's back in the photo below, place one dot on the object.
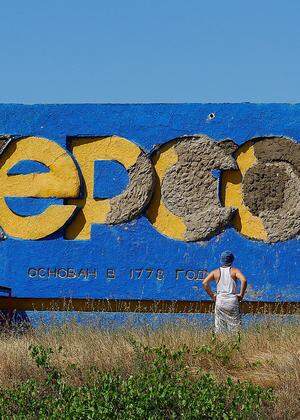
(227, 310)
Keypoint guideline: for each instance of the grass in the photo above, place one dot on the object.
(87, 360)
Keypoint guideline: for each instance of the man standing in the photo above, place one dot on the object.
(227, 308)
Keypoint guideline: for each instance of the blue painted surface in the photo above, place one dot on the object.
(110, 178)
(28, 167)
(272, 269)
(27, 206)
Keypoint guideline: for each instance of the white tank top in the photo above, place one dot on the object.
(226, 284)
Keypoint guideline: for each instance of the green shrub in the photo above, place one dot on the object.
(163, 388)
(221, 350)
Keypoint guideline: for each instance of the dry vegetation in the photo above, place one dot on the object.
(267, 354)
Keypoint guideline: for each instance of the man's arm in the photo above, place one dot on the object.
(206, 284)
(243, 281)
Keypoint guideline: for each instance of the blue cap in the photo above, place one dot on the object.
(227, 258)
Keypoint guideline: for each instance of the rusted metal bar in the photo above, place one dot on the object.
(139, 306)
(8, 316)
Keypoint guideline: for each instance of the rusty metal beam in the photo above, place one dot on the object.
(139, 306)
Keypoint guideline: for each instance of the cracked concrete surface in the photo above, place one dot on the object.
(4, 142)
(134, 199)
(264, 186)
(271, 188)
(190, 191)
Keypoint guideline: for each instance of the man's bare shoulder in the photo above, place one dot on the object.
(236, 271)
(216, 273)
(213, 275)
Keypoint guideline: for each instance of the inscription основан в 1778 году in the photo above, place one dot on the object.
(112, 273)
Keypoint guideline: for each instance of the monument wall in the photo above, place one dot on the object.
(138, 201)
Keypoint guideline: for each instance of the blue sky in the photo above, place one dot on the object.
(149, 51)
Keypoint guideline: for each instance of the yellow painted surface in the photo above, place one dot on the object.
(232, 195)
(162, 219)
(34, 227)
(87, 151)
(62, 181)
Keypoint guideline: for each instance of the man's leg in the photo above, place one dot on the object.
(220, 321)
(235, 319)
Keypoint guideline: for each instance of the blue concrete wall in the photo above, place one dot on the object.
(272, 269)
